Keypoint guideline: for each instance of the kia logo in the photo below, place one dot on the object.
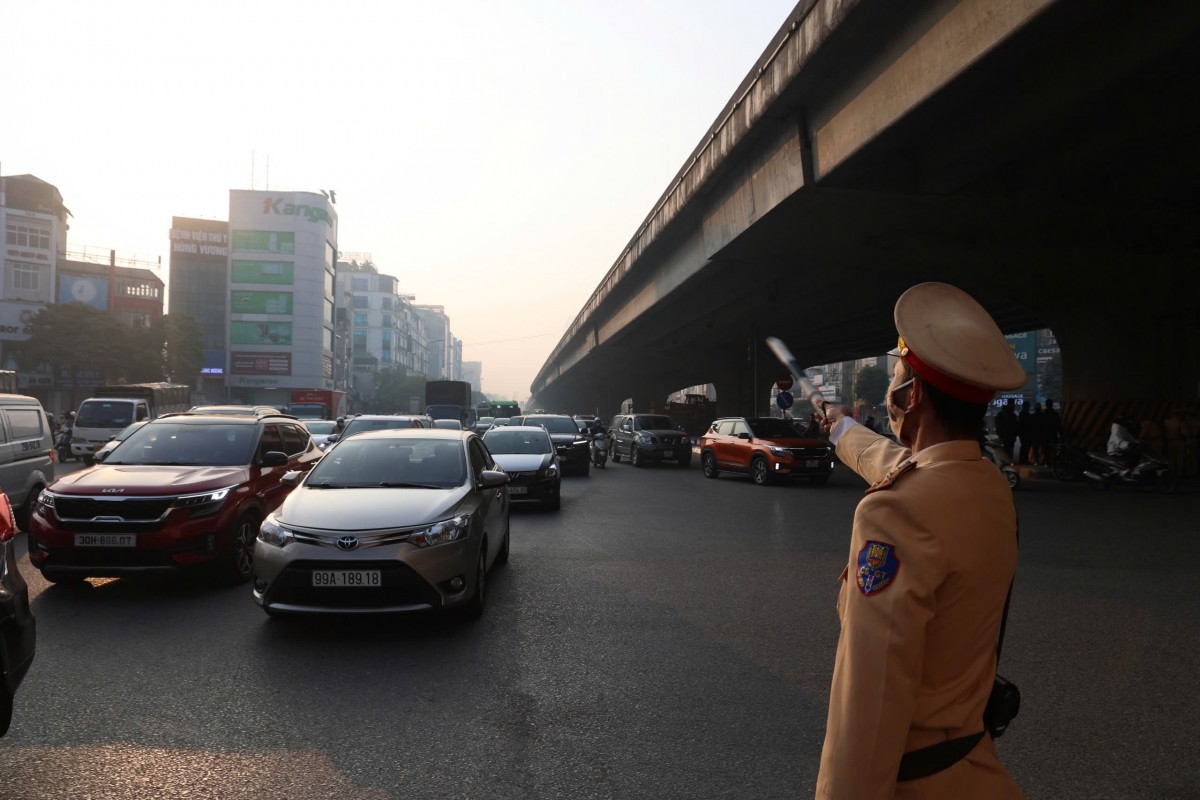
(347, 543)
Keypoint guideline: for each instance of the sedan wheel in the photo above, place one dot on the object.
(474, 607)
(760, 471)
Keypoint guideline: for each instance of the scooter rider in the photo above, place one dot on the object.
(1123, 445)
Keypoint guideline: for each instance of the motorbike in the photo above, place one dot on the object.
(599, 449)
(62, 445)
(1151, 469)
(994, 451)
(1068, 461)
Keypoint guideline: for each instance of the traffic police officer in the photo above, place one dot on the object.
(932, 556)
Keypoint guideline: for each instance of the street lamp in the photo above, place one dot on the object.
(428, 345)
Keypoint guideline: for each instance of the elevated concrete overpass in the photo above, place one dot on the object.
(1041, 154)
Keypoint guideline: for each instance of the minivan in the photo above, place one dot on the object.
(26, 444)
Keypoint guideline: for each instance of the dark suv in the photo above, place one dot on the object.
(649, 437)
(184, 491)
(569, 442)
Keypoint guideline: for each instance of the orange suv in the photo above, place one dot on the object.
(766, 448)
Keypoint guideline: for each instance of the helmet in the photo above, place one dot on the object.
(70, 415)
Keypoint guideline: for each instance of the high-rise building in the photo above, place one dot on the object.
(282, 255)
(34, 220)
(199, 283)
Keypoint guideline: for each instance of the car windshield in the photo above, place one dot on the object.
(653, 424)
(769, 428)
(173, 443)
(104, 414)
(500, 422)
(124, 434)
(391, 462)
(554, 424)
(359, 424)
(517, 442)
(319, 427)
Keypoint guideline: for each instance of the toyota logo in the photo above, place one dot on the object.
(347, 543)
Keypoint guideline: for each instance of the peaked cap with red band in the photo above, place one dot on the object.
(953, 344)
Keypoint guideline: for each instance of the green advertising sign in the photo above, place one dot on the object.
(260, 332)
(280, 272)
(260, 302)
(265, 241)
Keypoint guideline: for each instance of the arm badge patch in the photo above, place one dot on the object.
(877, 567)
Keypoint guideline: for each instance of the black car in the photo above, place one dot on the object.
(16, 618)
(649, 437)
(527, 454)
(569, 442)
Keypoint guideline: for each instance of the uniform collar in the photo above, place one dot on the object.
(954, 450)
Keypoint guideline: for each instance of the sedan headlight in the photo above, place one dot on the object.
(548, 472)
(444, 532)
(271, 532)
(782, 452)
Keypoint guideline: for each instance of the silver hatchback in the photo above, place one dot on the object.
(388, 521)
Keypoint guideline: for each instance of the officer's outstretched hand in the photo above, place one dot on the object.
(833, 414)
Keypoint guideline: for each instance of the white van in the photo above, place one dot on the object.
(26, 444)
(114, 408)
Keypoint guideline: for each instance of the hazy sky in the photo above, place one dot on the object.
(495, 156)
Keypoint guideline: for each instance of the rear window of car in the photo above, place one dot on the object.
(517, 442)
(358, 425)
(653, 424)
(319, 426)
(554, 424)
(775, 429)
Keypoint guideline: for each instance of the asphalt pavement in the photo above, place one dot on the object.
(662, 636)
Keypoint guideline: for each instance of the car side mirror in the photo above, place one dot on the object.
(292, 478)
(492, 479)
(101, 456)
(333, 437)
(274, 458)
(744, 435)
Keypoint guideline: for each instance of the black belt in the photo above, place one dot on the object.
(937, 757)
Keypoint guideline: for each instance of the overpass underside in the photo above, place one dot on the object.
(1041, 155)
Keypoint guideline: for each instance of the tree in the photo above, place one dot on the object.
(74, 337)
(393, 387)
(182, 347)
(870, 386)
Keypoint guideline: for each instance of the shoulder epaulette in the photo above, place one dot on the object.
(886, 482)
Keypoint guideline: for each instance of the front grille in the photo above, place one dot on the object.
(130, 509)
(809, 452)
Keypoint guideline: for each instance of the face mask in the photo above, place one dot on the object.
(895, 413)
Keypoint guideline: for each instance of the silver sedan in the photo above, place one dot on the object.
(388, 521)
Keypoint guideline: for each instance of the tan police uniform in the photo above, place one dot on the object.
(932, 554)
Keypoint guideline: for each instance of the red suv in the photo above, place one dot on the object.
(766, 448)
(185, 491)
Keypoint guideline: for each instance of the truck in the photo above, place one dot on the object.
(694, 414)
(317, 403)
(450, 400)
(112, 408)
